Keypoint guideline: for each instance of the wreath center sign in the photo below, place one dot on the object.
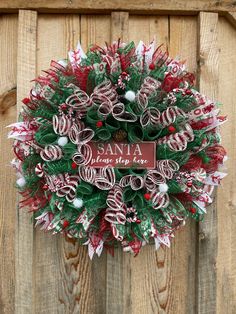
(116, 145)
(123, 155)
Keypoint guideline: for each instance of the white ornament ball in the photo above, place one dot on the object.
(62, 141)
(163, 187)
(21, 182)
(130, 95)
(78, 202)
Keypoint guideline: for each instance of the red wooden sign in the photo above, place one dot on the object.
(123, 155)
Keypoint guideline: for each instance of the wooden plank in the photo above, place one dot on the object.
(231, 16)
(8, 48)
(95, 29)
(150, 28)
(118, 268)
(120, 26)
(26, 66)
(226, 194)
(105, 6)
(58, 279)
(208, 55)
(163, 281)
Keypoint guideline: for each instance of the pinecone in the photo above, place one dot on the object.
(119, 135)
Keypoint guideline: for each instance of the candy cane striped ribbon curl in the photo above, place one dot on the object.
(159, 199)
(135, 182)
(149, 86)
(153, 179)
(87, 174)
(78, 135)
(116, 233)
(51, 153)
(79, 101)
(167, 167)
(120, 114)
(150, 116)
(105, 96)
(61, 124)
(69, 190)
(170, 114)
(83, 154)
(116, 211)
(178, 141)
(105, 178)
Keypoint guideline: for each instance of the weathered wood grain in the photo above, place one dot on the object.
(102, 6)
(95, 29)
(148, 29)
(118, 268)
(163, 281)
(57, 277)
(8, 48)
(231, 16)
(26, 67)
(226, 194)
(208, 55)
(120, 26)
(7, 100)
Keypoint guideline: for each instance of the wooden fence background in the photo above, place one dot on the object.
(41, 273)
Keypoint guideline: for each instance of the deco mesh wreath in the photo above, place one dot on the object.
(117, 97)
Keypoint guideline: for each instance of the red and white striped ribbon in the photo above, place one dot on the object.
(170, 114)
(159, 199)
(178, 141)
(79, 101)
(116, 211)
(153, 179)
(83, 155)
(150, 116)
(61, 124)
(80, 136)
(105, 178)
(135, 182)
(51, 153)
(167, 167)
(149, 86)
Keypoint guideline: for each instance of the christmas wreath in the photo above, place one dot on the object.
(117, 145)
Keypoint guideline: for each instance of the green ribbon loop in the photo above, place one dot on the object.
(45, 135)
(135, 134)
(103, 134)
(69, 150)
(84, 188)
(112, 124)
(129, 195)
